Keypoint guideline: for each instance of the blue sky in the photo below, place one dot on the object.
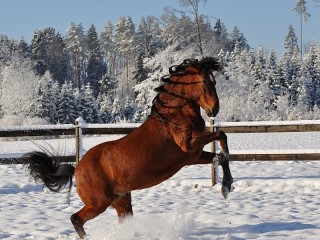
(261, 21)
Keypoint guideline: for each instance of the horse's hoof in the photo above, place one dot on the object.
(225, 190)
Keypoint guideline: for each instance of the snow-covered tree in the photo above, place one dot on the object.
(108, 50)
(86, 105)
(311, 78)
(67, 108)
(236, 37)
(48, 50)
(19, 89)
(194, 6)
(75, 41)
(291, 43)
(125, 45)
(273, 77)
(48, 96)
(95, 65)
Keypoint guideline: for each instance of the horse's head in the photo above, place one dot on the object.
(194, 80)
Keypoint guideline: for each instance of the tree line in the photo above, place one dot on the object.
(110, 76)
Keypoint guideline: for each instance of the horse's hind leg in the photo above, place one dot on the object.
(86, 213)
(123, 206)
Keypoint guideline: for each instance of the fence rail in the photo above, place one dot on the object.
(239, 127)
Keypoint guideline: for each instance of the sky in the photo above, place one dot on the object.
(263, 22)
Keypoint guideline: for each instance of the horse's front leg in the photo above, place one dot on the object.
(223, 157)
(199, 138)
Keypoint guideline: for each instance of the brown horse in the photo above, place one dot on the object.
(172, 137)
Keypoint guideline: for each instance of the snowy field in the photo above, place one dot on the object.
(271, 200)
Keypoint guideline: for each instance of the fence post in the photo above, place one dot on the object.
(78, 136)
(214, 165)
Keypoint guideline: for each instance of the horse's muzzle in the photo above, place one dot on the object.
(212, 112)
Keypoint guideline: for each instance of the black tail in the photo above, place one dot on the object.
(49, 170)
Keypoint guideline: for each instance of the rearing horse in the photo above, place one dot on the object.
(172, 137)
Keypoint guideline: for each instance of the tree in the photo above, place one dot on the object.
(194, 5)
(141, 72)
(19, 89)
(87, 105)
(156, 43)
(301, 10)
(108, 49)
(273, 78)
(95, 67)
(48, 50)
(75, 41)
(293, 78)
(311, 78)
(235, 36)
(48, 95)
(221, 36)
(125, 45)
(143, 39)
(291, 43)
(67, 111)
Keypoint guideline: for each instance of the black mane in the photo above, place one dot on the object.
(205, 64)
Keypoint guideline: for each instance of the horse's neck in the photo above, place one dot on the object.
(179, 112)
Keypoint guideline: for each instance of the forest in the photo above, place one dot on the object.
(109, 76)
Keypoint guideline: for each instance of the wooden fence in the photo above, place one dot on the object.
(267, 127)
(228, 127)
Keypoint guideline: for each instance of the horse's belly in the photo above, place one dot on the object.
(154, 173)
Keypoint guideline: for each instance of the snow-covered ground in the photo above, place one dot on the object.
(271, 200)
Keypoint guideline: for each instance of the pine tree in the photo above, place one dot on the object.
(291, 43)
(294, 74)
(116, 112)
(39, 52)
(92, 112)
(273, 78)
(156, 43)
(75, 41)
(107, 45)
(236, 37)
(311, 77)
(125, 45)
(23, 48)
(48, 50)
(143, 39)
(128, 111)
(301, 10)
(67, 111)
(48, 97)
(141, 73)
(95, 66)
(260, 65)
(221, 36)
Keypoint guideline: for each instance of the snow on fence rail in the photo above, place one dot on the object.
(80, 129)
(272, 127)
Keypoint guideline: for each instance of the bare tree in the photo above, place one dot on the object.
(301, 10)
(194, 5)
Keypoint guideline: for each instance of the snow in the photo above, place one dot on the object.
(271, 200)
